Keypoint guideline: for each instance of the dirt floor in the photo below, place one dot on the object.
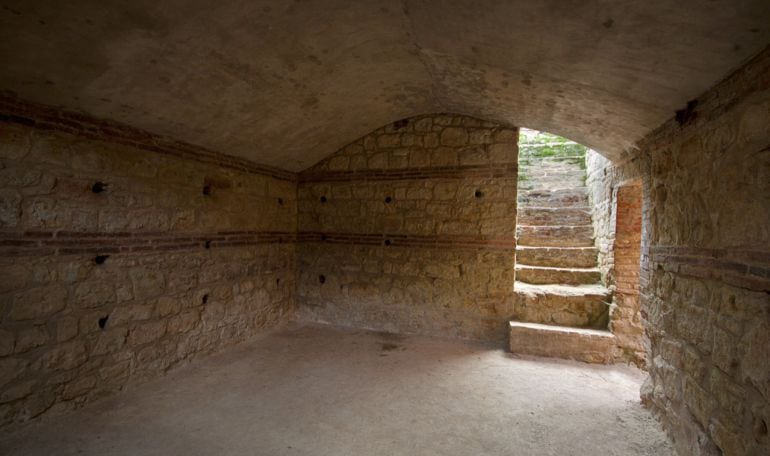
(309, 390)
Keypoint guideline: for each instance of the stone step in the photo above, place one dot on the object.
(565, 257)
(552, 182)
(537, 174)
(555, 236)
(533, 159)
(569, 197)
(535, 166)
(539, 170)
(551, 216)
(584, 306)
(559, 191)
(553, 275)
(579, 344)
(548, 186)
(551, 175)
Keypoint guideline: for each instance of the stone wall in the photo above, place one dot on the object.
(616, 193)
(602, 181)
(123, 254)
(705, 264)
(412, 229)
(709, 312)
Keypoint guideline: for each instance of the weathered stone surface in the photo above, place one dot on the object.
(558, 216)
(38, 303)
(454, 136)
(455, 180)
(572, 198)
(694, 192)
(110, 341)
(64, 356)
(167, 305)
(29, 338)
(66, 328)
(67, 317)
(10, 207)
(588, 345)
(619, 260)
(584, 306)
(549, 274)
(7, 341)
(556, 236)
(147, 332)
(577, 257)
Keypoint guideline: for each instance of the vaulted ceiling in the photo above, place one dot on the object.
(286, 83)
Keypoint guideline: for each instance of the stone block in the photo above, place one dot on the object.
(38, 303)
(29, 338)
(66, 328)
(431, 140)
(7, 340)
(110, 340)
(63, 357)
(728, 439)
(506, 135)
(587, 345)
(480, 137)
(389, 140)
(183, 322)
(378, 161)
(129, 313)
(146, 332)
(423, 124)
(18, 391)
(10, 207)
(453, 137)
(147, 282)
(472, 156)
(166, 306)
(94, 294)
(79, 387)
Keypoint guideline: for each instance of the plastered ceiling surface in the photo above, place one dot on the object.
(286, 83)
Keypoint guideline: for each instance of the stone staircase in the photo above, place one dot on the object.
(562, 308)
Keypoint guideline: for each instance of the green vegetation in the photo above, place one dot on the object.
(538, 144)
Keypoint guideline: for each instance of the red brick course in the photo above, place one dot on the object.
(436, 172)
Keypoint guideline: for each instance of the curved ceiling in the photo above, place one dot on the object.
(287, 83)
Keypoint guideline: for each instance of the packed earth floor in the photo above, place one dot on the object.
(319, 390)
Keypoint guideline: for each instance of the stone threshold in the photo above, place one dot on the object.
(579, 344)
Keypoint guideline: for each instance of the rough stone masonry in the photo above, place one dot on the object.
(122, 256)
(705, 263)
(412, 229)
(125, 253)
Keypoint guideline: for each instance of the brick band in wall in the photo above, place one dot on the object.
(440, 172)
(14, 110)
(405, 240)
(739, 268)
(41, 243)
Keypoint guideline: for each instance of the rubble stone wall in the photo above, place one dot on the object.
(122, 256)
(616, 194)
(412, 229)
(705, 264)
